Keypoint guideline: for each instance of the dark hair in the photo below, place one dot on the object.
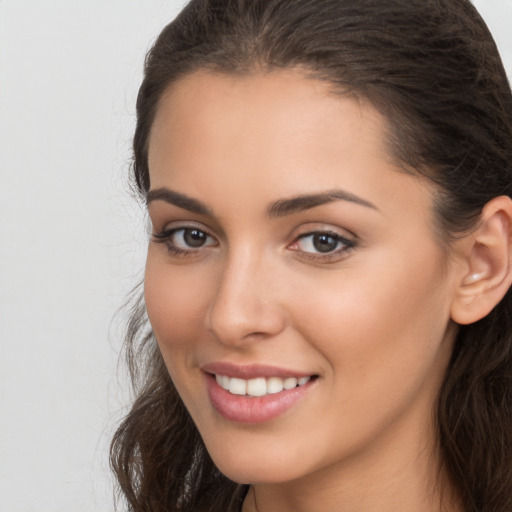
(433, 70)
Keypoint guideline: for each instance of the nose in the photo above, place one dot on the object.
(245, 306)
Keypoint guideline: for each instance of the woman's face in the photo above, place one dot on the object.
(295, 265)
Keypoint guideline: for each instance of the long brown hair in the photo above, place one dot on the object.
(433, 70)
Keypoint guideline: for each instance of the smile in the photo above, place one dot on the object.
(256, 399)
(259, 386)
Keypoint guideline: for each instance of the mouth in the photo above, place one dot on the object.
(255, 394)
(260, 386)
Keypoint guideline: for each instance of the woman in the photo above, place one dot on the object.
(328, 276)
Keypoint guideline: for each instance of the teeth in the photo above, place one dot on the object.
(290, 383)
(259, 386)
(274, 385)
(222, 381)
(238, 386)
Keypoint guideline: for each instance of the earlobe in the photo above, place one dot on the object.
(488, 263)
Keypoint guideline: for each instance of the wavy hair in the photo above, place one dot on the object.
(432, 69)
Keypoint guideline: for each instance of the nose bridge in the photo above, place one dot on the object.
(245, 305)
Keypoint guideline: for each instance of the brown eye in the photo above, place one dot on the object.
(185, 240)
(194, 237)
(324, 243)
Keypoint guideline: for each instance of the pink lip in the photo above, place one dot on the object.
(250, 371)
(246, 409)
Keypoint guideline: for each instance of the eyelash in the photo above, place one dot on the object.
(165, 237)
(331, 256)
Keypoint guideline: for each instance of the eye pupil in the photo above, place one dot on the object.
(194, 237)
(324, 243)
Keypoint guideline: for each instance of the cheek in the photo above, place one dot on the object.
(176, 301)
(383, 326)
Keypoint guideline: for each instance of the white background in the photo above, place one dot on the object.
(71, 238)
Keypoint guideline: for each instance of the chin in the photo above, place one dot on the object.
(264, 466)
(256, 475)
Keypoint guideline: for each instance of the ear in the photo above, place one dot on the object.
(487, 253)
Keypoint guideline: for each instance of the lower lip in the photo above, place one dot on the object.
(247, 409)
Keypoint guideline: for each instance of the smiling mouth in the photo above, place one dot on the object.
(260, 386)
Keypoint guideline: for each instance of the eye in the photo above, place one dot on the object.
(318, 242)
(184, 240)
(189, 238)
(322, 244)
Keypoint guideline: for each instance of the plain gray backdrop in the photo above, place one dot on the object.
(72, 240)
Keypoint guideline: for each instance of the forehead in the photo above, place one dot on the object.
(281, 112)
(291, 92)
(256, 138)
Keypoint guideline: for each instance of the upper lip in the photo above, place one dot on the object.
(251, 371)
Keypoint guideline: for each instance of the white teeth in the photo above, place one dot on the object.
(290, 383)
(225, 382)
(259, 386)
(222, 381)
(237, 386)
(274, 385)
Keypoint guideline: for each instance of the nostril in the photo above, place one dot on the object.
(248, 320)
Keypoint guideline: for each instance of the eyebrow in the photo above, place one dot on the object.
(279, 208)
(305, 202)
(177, 199)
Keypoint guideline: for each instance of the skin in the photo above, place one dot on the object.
(371, 321)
